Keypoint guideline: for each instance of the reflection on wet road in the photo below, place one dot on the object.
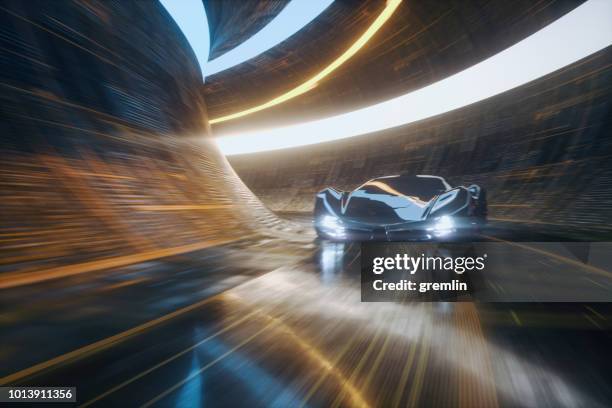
(284, 327)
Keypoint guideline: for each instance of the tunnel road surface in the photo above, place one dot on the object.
(284, 326)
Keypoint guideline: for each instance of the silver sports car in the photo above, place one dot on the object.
(400, 208)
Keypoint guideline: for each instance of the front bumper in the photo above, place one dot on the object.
(429, 230)
(354, 231)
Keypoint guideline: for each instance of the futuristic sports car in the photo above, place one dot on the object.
(400, 208)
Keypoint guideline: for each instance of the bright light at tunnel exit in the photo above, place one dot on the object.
(578, 34)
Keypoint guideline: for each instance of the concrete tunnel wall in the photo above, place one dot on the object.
(105, 145)
(542, 151)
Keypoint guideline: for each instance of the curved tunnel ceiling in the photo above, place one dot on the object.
(264, 73)
(313, 81)
(232, 24)
(419, 45)
(291, 63)
(223, 34)
(577, 35)
(292, 18)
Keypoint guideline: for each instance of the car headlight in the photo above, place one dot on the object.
(443, 226)
(332, 226)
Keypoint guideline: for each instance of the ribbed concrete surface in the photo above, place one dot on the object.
(105, 150)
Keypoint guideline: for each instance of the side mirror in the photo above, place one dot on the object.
(474, 191)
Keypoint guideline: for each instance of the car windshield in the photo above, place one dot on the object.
(424, 188)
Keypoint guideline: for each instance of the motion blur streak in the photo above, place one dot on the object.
(168, 360)
(312, 82)
(9, 280)
(578, 34)
(456, 340)
(96, 175)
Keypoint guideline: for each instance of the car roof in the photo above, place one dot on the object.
(405, 175)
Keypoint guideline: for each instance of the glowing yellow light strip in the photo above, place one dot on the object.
(312, 82)
(578, 34)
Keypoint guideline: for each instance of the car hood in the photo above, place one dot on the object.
(361, 206)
